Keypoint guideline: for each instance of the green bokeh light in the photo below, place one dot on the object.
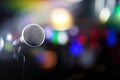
(55, 37)
(114, 20)
(8, 47)
(117, 11)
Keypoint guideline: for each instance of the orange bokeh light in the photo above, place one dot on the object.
(50, 60)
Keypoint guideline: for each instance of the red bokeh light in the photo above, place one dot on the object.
(82, 39)
(105, 33)
(94, 44)
(94, 34)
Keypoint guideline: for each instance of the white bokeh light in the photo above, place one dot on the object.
(104, 15)
(63, 38)
(87, 59)
(1, 44)
(9, 37)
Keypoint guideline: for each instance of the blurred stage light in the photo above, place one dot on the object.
(111, 4)
(47, 59)
(54, 38)
(82, 39)
(63, 38)
(94, 45)
(87, 59)
(9, 37)
(117, 11)
(74, 31)
(94, 35)
(111, 38)
(37, 12)
(49, 32)
(8, 47)
(99, 5)
(61, 19)
(104, 15)
(1, 43)
(76, 48)
(105, 33)
(57, 37)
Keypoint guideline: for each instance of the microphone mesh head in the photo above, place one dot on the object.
(33, 35)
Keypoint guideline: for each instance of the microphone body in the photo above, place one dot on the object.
(33, 35)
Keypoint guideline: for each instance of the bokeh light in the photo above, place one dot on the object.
(105, 33)
(94, 35)
(99, 5)
(56, 37)
(37, 12)
(94, 45)
(1, 43)
(111, 4)
(49, 32)
(74, 31)
(76, 48)
(87, 59)
(63, 38)
(9, 37)
(104, 15)
(8, 47)
(61, 19)
(117, 11)
(60, 38)
(82, 39)
(111, 38)
(47, 59)
(116, 16)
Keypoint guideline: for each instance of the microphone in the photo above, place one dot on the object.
(33, 35)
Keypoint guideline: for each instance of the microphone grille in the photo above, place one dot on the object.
(33, 35)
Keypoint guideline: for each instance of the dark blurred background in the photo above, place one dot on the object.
(82, 40)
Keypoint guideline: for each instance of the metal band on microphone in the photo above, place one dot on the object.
(22, 38)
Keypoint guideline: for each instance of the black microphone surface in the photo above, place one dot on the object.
(33, 35)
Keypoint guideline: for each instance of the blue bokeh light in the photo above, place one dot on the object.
(111, 38)
(76, 48)
(41, 58)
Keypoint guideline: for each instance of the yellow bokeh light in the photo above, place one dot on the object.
(61, 19)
